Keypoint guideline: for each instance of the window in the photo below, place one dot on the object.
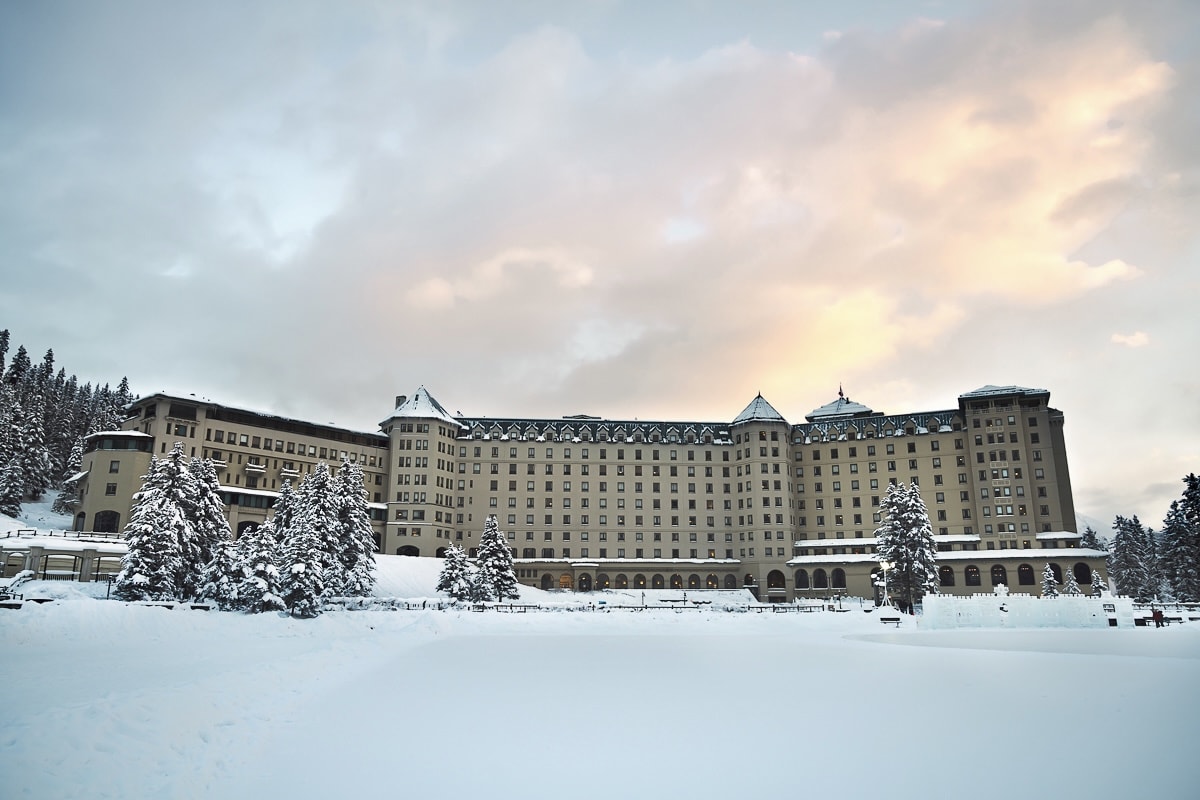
(114, 466)
(1025, 575)
(110, 489)
(972, 575)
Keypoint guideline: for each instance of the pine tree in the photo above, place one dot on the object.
(1071, 586)
(1179, 557)
(905, 541)
(1098, 584)
(1128, 559)
(1049, 582)
(152, 565)
(11, 488)
(285, 511)
(316, 515)
(455, 578)
(302, 581)
(1090, 539)
(68, 497)
(496, 579)
(356, 537)
(222, 577)
(210, 525)
(32, 454)
(257, 552)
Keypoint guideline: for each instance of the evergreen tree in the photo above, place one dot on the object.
(3, 348)
(68, 497)
(210, 525)
(285, 511)
(302, 581)
(1071, 586)
(1128, 559)
(316, 515)
(1179, 556)
(455, 578)
(496, 579)
(11, 488)
(18, 368)
(222, 577)
(1049, 582)
(905, 541)
(257, 551)
(356, 537)
(32, 454)
(152, 566)
(1098, 584)
(1092, 540)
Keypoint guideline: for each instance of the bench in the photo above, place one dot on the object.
(890, 620)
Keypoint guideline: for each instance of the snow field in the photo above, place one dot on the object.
(105, 699)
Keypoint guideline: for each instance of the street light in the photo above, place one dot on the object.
(884, 565)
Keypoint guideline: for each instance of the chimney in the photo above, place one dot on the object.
(400, 398)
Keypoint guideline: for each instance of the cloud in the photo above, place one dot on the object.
(1135, 339)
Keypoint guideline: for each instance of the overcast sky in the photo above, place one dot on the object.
(649, 210)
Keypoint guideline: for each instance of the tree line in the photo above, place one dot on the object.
(44, 417)
(318, 545)
(1159, 565)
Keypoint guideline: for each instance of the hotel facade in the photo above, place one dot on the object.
(787, 510)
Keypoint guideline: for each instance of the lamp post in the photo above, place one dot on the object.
(884, 566)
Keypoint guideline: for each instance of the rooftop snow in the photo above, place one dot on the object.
(759, 410)
(841, 407)
(423, 405)
(991, 390)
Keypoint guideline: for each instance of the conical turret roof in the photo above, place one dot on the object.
(759, 410)
(423, 405)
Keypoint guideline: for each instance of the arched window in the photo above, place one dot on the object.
(601, 581)
(585, 582)
(80, 520)
(246, 525)
(547, 581)
(639, 581)
(711, 582)
(945, 576)
(999, 575)
(820, 579)
(748, 580)
(622, 582)
(971, 574)
(440, 552)
(658, 582)
(775, 579)
(730, 581)
(107, 522)
(1025, 575)
(1082, 573)
(1057, 570)
(839, 578)
(802, 579)
(676, 581)
(693, 581)
(408, 550)
(565, 581)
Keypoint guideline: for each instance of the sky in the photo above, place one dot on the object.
(541, 208)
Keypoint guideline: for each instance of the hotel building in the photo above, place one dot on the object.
(788, 510)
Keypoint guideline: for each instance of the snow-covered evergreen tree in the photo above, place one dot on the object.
(68, 497)
(316, 515)
(905, 541)
(11, 488)
(152, 566)
(210, 525)
(285, 511)
(1098, 584)
(455, 579)
(1128, 560)
(33, 456)
(302, 578)
(356, 537)
(1070, 585)
(257, 552)
(1180, 552)
(1090, 539)
(495, 577)
(1049, 582)
(222, 577)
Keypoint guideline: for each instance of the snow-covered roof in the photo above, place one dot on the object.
(422, 405)
(759, 410)
(135, 434)
(991, 390)
(76, 477)
(841, 407)
(1039, 555)
(1066, 535)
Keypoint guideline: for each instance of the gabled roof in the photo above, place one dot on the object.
(841, 408)
(759, 410)
(423, 405)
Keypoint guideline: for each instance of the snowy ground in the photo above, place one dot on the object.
(108, 700)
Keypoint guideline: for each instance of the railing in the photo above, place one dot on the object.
(29, 533)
